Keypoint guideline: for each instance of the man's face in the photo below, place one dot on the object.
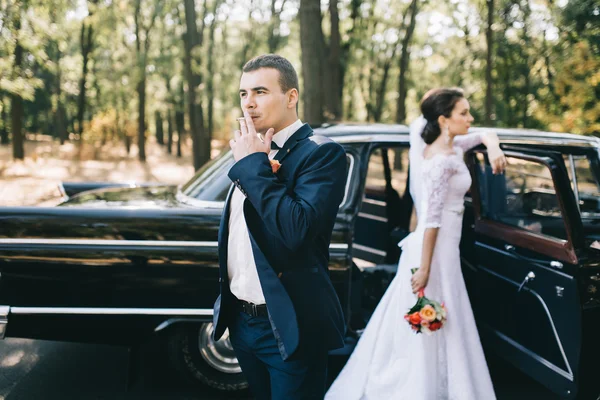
(262, 97)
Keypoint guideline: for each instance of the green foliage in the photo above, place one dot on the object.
(578, 88)
(546, 58)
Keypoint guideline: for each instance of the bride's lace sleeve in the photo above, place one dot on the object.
(437, 173)
(468, 141)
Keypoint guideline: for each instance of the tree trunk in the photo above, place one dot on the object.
(142, 49)
(61, 123)
(380, 98)
(180, 124)
(334, 89)
(312, 45)
(527, 75)
(404, 63)
(210, 69)
(250, 39)
(171, 105)
(141, 92)
(193, 40)
(489, 36)
(86, 48)
(273, 32)
(160, 135)
(16, 108)
(59, 116)
(170, 132)
(4, 117)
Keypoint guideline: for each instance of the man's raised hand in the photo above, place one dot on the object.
(246, 141)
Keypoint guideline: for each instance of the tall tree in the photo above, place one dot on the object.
(210, 79)
(489, 37)
(381, 90)
(158, 120)
(274, 38)
(180, 118)
(334, 81)
(4, 121)
(16, 107)
(339, 57)
(193, 39)
(59, 113)
(412, 12)
(143, 27)
(527, 44)
(87, 45)
(312, 45)
(169, 131)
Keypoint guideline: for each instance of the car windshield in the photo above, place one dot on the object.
(211, 182)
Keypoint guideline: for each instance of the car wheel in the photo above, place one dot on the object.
(194, 353)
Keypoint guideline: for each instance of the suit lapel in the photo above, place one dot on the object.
(302, 133)
(224, 230)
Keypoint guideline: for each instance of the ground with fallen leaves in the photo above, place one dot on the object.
(34, 180)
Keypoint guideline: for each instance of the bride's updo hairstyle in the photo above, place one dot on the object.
(438, 102)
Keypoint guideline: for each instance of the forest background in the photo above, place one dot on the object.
(140, 77)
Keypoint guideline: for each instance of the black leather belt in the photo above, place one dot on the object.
(254, 310)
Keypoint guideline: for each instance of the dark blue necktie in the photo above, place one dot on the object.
(274, 146)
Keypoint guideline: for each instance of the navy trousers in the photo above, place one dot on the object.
(301, 377)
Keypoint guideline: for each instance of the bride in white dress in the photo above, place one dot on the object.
(391, 361)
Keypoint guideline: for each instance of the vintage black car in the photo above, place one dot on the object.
(125, 263)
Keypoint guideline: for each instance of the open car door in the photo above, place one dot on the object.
(526, 301)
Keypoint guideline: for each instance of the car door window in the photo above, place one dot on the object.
(384, 211)
(584, 183)
(523, 197)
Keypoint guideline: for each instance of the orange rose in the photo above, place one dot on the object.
(275, 165)
(414, 318)
(428, 313)
(434, 326)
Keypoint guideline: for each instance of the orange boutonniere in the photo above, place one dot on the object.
(275, 165)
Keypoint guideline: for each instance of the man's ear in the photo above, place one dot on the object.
(292, 98)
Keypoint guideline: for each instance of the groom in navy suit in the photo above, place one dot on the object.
(276, 296)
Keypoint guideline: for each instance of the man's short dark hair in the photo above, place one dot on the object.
(288, 79)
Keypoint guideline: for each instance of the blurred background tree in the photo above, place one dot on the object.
(101, 71)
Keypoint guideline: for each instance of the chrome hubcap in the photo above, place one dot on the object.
(220, 354)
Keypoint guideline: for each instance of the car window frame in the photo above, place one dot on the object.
(194, 202)
(561, 249)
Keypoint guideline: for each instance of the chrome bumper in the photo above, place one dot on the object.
(4, 311)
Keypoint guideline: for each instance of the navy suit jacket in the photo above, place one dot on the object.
(290, 216)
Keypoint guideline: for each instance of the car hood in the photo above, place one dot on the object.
(136, 197)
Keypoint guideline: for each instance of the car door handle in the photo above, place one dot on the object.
(512, 250)
(530, 276)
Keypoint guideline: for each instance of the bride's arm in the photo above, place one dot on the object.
(436, 177)
(495, 154)
(490, 141)
(421, 277)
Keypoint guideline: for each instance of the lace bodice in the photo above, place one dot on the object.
(446, 179)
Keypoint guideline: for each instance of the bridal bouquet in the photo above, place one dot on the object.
(426, 316)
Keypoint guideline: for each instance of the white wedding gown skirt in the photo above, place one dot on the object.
(391, 361)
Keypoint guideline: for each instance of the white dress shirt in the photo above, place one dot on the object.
(241, 268)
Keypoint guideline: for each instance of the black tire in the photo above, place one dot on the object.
(195, 356)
